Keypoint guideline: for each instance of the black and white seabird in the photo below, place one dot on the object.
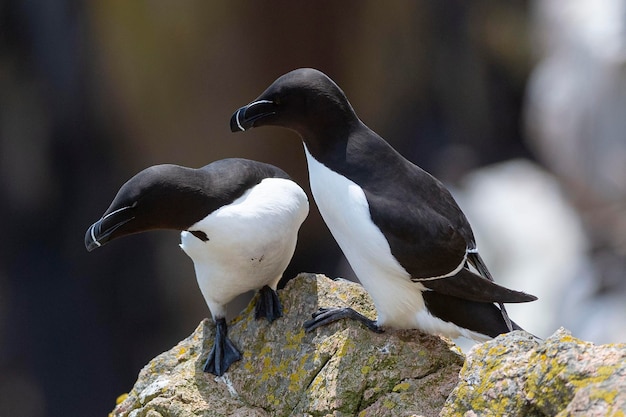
(404, 235)
(239, 221)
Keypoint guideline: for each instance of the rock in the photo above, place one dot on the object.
(342, 369)
(519, 375)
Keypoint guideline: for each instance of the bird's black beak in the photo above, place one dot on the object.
(246, 117)
(102, 231)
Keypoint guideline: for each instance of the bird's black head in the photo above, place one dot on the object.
(175, 197)
(159, 197)
(304, 100)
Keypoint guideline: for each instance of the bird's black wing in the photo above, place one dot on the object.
(426, 230)
(430, 247)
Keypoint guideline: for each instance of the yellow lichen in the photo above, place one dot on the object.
(496, 406)
(601, 374)
(403, 386)
(294, 341)
(271, 399)
(608, 396)
(296, 378)
(388, 404)
(497, 351)
(567, 338)
(346, 346)
(121, 398)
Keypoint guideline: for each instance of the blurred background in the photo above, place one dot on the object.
(519, 107)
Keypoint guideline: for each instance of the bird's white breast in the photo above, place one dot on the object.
(344, 208)
(398, 300)
(251, 241)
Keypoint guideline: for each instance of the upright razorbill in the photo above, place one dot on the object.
(405, 237)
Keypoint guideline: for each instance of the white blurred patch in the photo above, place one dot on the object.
(532, 240)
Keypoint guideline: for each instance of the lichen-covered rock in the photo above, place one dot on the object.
(341, 370)
(519, 375)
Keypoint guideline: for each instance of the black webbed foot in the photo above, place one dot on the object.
(268, 305)
(223, 353)
(325, 316)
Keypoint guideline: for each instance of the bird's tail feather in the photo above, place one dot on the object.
(479, 317)
(477, 262)
(469, 286)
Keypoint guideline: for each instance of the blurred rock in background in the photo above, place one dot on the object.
(92, 92)
(576, 122)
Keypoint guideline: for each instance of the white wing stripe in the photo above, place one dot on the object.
(449, 274)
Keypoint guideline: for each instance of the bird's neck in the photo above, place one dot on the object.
(329, 146)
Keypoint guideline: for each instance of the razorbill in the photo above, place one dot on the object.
(404, 235)
(239, 221)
